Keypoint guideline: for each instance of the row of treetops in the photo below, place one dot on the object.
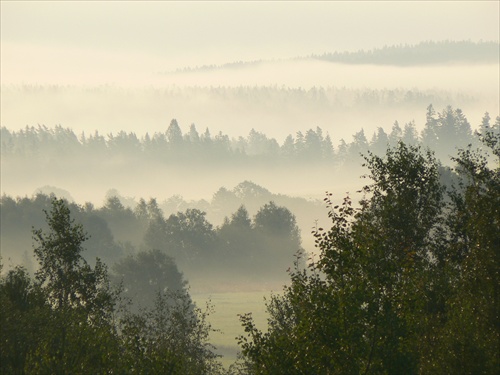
(443, 130)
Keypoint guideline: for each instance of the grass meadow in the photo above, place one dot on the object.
(227, 306)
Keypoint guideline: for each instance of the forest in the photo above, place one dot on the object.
(176, 163)
(447, 129)
(403, 279)
(429, 52)
(240, 249)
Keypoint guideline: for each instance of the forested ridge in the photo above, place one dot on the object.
(430, 52)
(406, 280)
(424, 53)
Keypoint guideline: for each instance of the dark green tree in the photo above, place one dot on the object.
(359, 308)
(237, 242)
(143, 275)
(171, 337)
(64, 274)
(24, 314)
(469, 341)
(67, 313)
(277, 238)
(189, 235)
(277, 221)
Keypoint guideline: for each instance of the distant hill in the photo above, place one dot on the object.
(424, 53)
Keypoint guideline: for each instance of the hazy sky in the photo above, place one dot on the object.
(99, 41)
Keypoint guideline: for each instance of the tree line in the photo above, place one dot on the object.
(443, 132)
(242, 245)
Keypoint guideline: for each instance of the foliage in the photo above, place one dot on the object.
(143, 275)
(80, 298)
(70, 321)
(469, 340)
(406, 282)
(187, 236)
(264, 245)
(64, 274)
(18, 217)
(171, 337)
(24, 314)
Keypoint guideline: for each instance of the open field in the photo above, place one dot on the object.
(227, 306)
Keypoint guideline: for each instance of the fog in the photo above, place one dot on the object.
(277, 98)
(120, 61)
(269, 97)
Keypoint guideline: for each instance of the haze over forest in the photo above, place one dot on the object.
(210, 132)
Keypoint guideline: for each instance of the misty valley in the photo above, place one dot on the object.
(379, 275)
(180, 196)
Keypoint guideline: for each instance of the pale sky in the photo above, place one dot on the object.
(54, 41)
